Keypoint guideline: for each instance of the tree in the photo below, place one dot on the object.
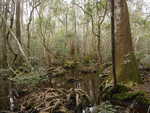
(4, 34)
(34, 6)
(4, 92)
(96, 11)
(18, 28)
(126, 65)
(113, 42)
(18, 24)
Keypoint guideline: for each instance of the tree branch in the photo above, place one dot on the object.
(15, 38)
(90, 15)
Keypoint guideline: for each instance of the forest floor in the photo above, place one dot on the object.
(146, 82)
(65, 90)
(78, 85)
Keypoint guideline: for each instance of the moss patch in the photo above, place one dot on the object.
(143, 100)
(127, 95)
(109, 92)
(124, 94)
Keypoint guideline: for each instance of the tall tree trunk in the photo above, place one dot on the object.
(31, 18)
(4, 92)
(113, 42)
(126, 66)
(19, 59)
(18, 24)
(4, 35)
(100, 59)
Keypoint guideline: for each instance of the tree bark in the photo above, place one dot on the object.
(4, 36)
(28, 26)
(113, 42)
(19, 59)
(4, 92)
(18, 25)
(126, 66)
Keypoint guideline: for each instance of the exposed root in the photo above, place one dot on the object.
(56, 100)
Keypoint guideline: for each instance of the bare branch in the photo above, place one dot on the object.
(90, 15)
(15, 38)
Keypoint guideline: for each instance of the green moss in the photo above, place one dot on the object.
(86, 60)
(70, 64)
(127, 70)
(110, 91)
(143, 100)
(120, 89)
(123, 93)
(30, 79)
(127, 95)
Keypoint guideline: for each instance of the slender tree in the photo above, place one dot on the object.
(35, 5)
(113, 42)
(18, 23)
(18, 30)
(4, 35)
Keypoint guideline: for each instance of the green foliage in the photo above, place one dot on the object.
(105, 84)
(70, 64)
(139, 55)
(60, 41)
(70, 35)
(146, 61)
(107, 107)
(30, 79)
(139, 96)
(123, 93)
(87, 60)
(102, 4)
(127, 95)
(89, 7)
(143, 99)
(110, 91)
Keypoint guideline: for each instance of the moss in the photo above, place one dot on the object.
(128, 95)
(143, 100)
(86, 59)
(110, 91)
(123, 93)
(124, 96)
(120, 89)
(127, 70)
(70, 64)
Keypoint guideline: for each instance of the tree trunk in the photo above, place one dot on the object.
(4, 93)
(100, 59)
(99, 52)
(113, 42)
(19, 59)
(4, 35)
(18, 26)
(126, 66)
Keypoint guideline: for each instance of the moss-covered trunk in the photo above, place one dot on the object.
(126, 66)
(4, 94)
